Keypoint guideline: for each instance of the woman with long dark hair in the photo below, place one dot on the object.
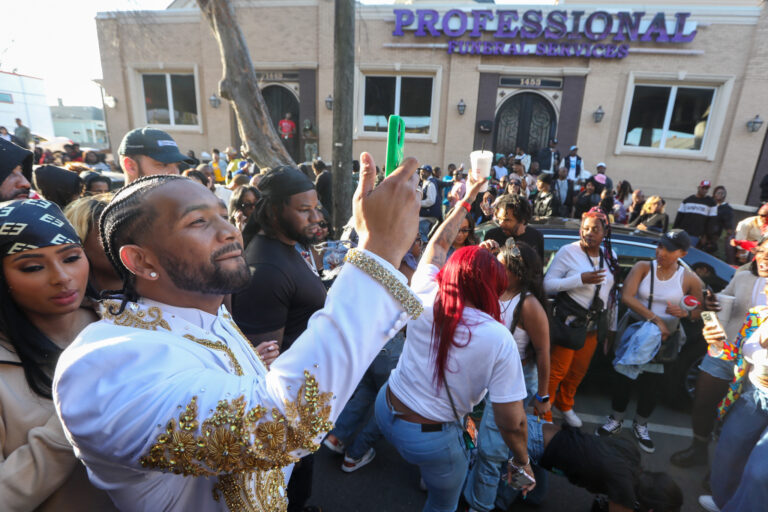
(576, 272)
(524, 313)
(242, 204)
(466, 235)
(454, 352)
(42, 284)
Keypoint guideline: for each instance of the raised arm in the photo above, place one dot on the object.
(437, 249)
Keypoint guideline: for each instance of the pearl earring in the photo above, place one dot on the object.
(153, 275)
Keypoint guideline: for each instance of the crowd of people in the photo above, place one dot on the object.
(192, 337)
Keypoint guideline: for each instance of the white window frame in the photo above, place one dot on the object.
(137, 91)
(398, 71)
(723, 87)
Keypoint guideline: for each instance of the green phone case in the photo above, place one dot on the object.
(395, 142)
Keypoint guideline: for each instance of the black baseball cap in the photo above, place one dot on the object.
(153, 143)
(675, 239)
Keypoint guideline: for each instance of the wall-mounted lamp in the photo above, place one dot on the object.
(329, 102)
(598, 114)
(110, 101)
(461, 107)
(755, 124)
(214, 100)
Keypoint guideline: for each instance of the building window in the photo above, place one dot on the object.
(166, 93)
(669, 117)
(6, 97)
(410, 97)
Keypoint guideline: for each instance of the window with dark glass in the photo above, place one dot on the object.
(406, 96)
(168, 93)
(669, 117)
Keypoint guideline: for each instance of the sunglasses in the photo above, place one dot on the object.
(323, 225)
(247, 206)
(465, 230)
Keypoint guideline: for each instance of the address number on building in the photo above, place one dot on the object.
(531, 82)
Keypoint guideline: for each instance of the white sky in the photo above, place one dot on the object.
(56, 40)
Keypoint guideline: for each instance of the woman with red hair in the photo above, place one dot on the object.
(454, 352)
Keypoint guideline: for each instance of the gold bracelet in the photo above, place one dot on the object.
(407, 299)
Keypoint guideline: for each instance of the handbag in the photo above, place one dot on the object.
(573, 335)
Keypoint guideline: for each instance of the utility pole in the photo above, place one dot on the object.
(343, 107)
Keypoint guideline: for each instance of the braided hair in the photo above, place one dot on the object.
(613, 264)
(524, 262)
(121, 222)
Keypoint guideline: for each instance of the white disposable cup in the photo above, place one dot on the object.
(726, 307)
(481, 166)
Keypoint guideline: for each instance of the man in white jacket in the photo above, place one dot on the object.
(167, 403)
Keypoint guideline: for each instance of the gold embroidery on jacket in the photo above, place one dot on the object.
(244, 444)
(221, 346)
(150, 319)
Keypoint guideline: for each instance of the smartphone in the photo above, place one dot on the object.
(520, 479)
(710, 319)
(395, 142)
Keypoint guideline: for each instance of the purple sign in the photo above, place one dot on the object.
(557, 33)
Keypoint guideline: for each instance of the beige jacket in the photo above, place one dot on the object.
(741, 286)
(38, 469)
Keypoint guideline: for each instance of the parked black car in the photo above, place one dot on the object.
(632, 246)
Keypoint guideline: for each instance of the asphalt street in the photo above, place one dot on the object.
(388, 483)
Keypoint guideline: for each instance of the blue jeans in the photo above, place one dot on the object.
(717, 367)
(441, 456)
(740, 473)
(492, 453)
(507, 495)
(356, 410)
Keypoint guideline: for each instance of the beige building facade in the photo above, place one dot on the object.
(661, 93)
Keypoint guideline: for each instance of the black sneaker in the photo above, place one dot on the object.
(642, 437)
(611, 427)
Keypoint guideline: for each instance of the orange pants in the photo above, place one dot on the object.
(566, 370)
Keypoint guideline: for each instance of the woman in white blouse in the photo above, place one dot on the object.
(455, 352)
(577, 269)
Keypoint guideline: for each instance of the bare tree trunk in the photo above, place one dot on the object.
(240, 86)
(343, 107)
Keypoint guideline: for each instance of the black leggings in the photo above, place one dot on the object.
(647, 385)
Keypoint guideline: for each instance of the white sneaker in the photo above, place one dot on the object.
(708, 504)
(572, 419)
(611, 427)
(349, 465)
(334, 444)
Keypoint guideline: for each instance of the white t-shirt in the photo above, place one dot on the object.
(501, 171)
(522, 340)
(224, 194)
(486, 361)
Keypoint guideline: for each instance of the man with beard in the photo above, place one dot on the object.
(15, 171)
(164, 399)
(148, 152)
(285, 288)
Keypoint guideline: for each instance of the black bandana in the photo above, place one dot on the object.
(31, 224)
(11, 156)
(284, 181)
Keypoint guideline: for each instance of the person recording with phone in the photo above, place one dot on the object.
(746, 290)
(739, 480)
(444, 371)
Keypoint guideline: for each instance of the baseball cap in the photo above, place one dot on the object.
(153, 143)
(601, 164)
(427, 168)
(675, 239)
(705, 184)
(574, 147)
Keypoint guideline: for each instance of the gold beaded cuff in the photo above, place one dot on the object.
(397, 289)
